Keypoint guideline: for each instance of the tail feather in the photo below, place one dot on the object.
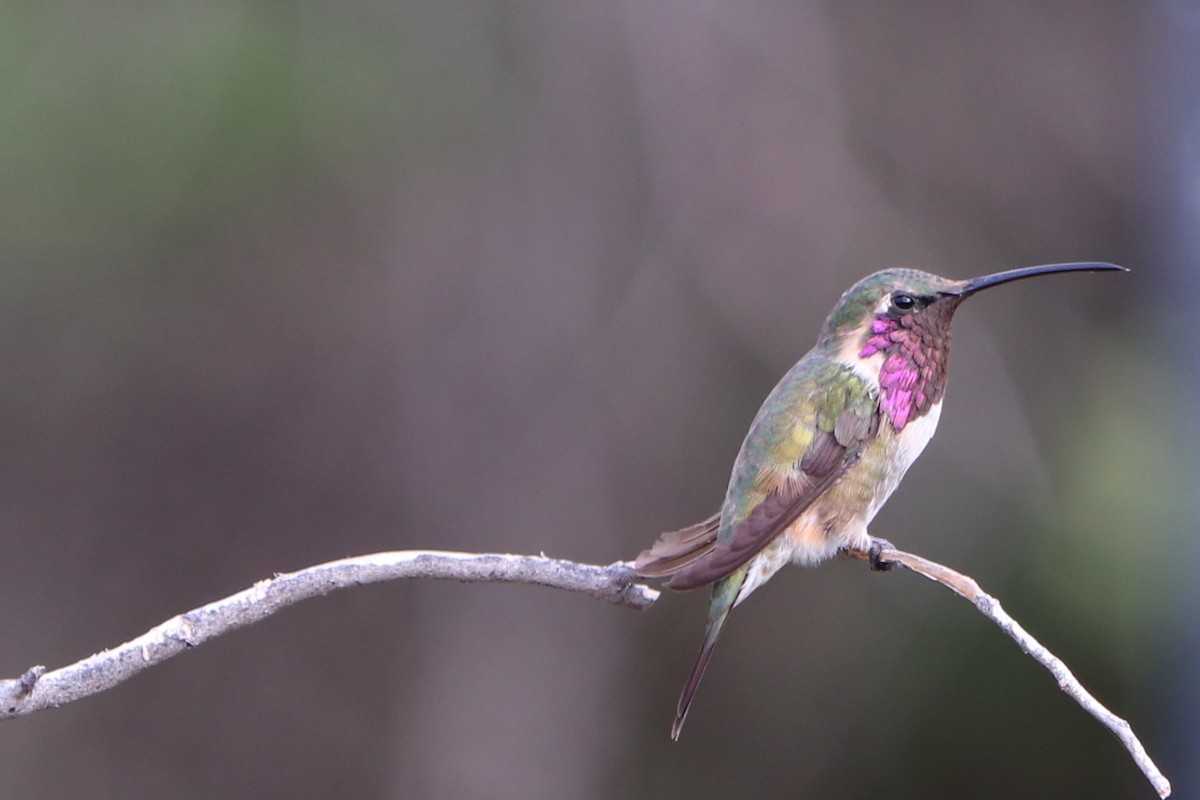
(693, 680)
(675, 550)
(725, 593)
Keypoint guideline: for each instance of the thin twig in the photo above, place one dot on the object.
(989, 606)
(38, 689)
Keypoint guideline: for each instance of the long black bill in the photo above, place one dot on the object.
(995, 279)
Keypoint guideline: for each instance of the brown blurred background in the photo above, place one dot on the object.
(284, 282)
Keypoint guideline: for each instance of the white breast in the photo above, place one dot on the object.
(917, 434)
(908, 444)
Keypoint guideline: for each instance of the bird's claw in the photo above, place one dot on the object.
(875, 555)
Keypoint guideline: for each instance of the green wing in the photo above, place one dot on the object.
(809, 432)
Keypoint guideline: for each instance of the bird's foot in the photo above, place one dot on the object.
(875, 555)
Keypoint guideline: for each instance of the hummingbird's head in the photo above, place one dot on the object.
(911, 298)
(893, 328)
(900, 296)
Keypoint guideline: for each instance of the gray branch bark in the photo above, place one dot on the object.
(38, 689)
(966, 587)
(616, 583)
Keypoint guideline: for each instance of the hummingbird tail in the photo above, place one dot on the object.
(724, 595)
(675, 550)
(693, 681)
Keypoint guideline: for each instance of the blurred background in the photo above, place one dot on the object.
(284, 282)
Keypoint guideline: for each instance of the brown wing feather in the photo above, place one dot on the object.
(769, 518)
(828, 457)
(674, 550)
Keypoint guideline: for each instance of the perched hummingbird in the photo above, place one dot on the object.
(829, 445)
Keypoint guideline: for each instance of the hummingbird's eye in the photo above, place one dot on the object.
(903, 302)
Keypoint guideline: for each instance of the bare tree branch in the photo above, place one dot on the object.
(989, 606)
(38, 689)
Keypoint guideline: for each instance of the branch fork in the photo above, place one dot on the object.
(615, 583)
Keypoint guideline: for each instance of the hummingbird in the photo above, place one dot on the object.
(829, 444)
